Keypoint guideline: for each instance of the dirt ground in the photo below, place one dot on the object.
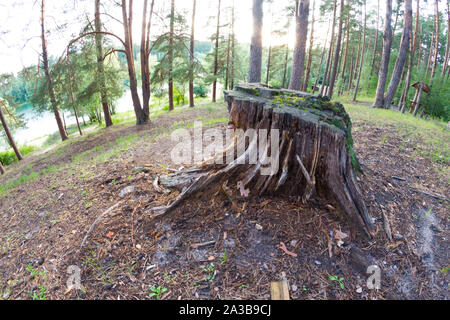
(211, 248)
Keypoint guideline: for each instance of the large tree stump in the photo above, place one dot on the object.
(315, 152)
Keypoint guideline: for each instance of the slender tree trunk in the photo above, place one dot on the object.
(269, 55)
(72, 97)
(375, 45)
(191, 66)
(337, 53)
(286, 58)
(352, 69)
(301, 33)
(216, 55)
(396, 18)
(2, 170)
(170, 54)
(233, 48)
(419, 48)
(387, 40)
(361, 63)
(311, 44)
(447, 49)
(254, 74)
(62, 131)
(347, 40)
(128, 31)
(145, 55)
(411, 60)
(319, 71)
(227, 73)
(401, 58)
(330, 51)
(100, 67)
(8, 133)
(436, 48)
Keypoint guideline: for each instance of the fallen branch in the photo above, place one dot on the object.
(436, 196)
(96, 221)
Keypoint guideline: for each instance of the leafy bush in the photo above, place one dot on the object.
(200, 91)
(437, 103)
(8, 157)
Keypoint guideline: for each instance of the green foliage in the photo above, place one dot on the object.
(200, 90)
(210, 271)
(338, 280)
(8, 157)
(156, 292)
(437, 104)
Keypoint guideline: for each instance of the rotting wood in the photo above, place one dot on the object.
(312, 129)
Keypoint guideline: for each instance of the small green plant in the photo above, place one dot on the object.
(339, 280)
(156, 292)
(224, 257)
(41, 295)
(211, 272)
(35, 272)
(444, 270)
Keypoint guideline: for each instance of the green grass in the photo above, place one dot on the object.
(431, 137)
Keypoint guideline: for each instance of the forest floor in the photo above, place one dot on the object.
(213, 248)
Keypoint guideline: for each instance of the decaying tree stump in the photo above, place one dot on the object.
(315, 152)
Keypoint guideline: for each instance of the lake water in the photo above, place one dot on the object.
(39, 125)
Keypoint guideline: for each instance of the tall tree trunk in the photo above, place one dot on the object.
(352, 69)
(311, 44)
(396, 18)
(319, 69)
(233, 48)
(227, 73)
(286, 58)
(128, 41)
(447, 49)
(401, 58)
(100, 67)
(361, 63)
(51, 91)
(254, 74)
(8, 132)
(269, 55)
(2, 170)
(347, 40)
(387, 40)
(191, 65)
(375, 45)
(436, 48)
(145, 55)
(411, 61)
(170, 54)
(301, 32)
(330, 50)
(337, 53)
(72, 97)
(216, 55)
(419, 48)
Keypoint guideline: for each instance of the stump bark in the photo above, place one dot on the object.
(315, 155)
